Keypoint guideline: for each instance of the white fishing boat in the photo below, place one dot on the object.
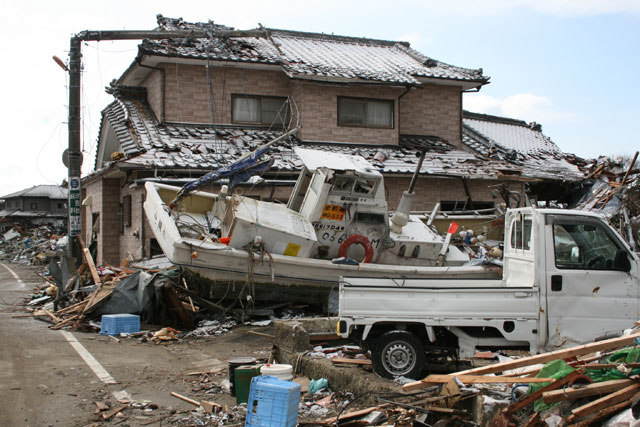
(336, 223)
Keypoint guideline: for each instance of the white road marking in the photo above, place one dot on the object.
(95, 366)
(15, 276)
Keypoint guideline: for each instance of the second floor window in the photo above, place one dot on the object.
(374, 113)
(260, 110)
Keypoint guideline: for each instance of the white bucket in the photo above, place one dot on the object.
(280, 371)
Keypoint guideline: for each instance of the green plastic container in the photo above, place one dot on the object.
(242, 377)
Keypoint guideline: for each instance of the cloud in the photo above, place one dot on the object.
(523, 106)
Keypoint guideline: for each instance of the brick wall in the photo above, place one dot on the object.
(130, 241)
(431, 190)
(318, 106)
(188, 92)
(109, 223)
(432, 110)
(154, 83)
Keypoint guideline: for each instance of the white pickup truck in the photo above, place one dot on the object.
(568, 277)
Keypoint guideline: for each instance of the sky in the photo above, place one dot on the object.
(570, 65)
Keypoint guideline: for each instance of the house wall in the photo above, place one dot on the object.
(130, 241)
(433, 110)
(110, 220)
(318, 106)
(188, 91)
(154, 85)
(431, 190)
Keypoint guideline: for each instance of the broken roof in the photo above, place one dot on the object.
(48, 191)
(520, 143)
(148, 144)
(304, 55)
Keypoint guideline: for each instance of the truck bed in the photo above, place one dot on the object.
(437, 302)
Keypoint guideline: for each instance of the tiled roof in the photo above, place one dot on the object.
(12, 213)
(200, 147)
(311, 55)
(48, 191)
(519, 143)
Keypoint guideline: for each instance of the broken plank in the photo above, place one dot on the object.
(185, 398)
(594, 389)
(437, 379)
(540, 358)
(611, 399)
(51, 315)
(101, 406)
(209, 406)
(108, 414)
(347, 416)
(89, 259)
(261, 334)
(604, 413)
(352, 361)
(65, 322)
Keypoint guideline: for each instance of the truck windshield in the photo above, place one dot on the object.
(583, 246)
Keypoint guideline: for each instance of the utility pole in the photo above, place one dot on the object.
(75, 70)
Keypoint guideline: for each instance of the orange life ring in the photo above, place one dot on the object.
(360, 240)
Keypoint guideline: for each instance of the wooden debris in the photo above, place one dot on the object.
(626, 394)
(101, 406)
(436, 379)
(595, 389)
(261, 334)
(540, 358)
(366, 362)
(186, 399)
(108, 414)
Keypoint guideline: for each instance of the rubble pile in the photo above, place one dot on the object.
(31, 246)
(613, 188)
(583, 385)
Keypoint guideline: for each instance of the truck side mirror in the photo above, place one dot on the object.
(621, 261)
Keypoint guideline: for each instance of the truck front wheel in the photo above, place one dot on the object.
(398, 353)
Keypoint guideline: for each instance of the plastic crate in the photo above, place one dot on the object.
(272, 403)
(113, 324)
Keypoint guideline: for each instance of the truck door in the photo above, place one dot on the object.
(590, 282)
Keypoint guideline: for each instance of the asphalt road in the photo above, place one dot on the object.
(53, 378)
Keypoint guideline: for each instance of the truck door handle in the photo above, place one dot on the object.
(556, 283)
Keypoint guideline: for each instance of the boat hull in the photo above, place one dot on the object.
(221, 263)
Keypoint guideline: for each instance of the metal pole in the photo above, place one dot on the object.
(75, 69)
(417, 171)
(74, 153)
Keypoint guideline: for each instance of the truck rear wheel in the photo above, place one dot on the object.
(398, 353)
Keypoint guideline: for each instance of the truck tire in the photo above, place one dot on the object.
(398, 353)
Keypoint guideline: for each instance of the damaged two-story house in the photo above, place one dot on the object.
(189, 106)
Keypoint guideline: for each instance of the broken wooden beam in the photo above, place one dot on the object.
(606, 401)
(588, 390)
(185, 398)
(366, 362)
(108, 414)
(540, 358)
(437, 379)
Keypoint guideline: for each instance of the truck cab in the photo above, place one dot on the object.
(568, 277)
